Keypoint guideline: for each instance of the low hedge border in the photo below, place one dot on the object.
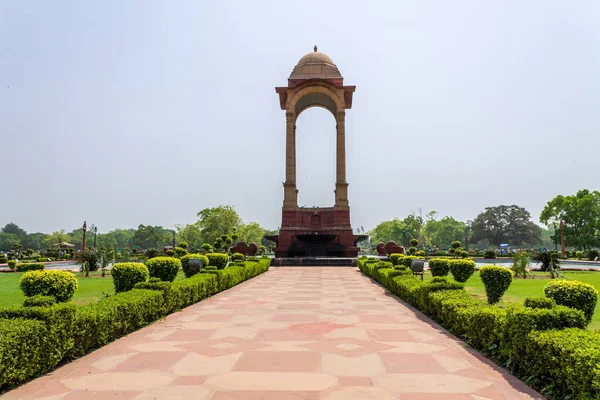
(34, 340)
(547, 346)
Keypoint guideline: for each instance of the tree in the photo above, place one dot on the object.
(443, 232)
(7, 241)
(506, 224)
(57, 238)
(14, 229)
(190, 233)
(251, 232)
(400, 231)
(581, 216)
(217, 221)
(148, 237)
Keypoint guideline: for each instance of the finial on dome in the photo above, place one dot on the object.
(315, 48)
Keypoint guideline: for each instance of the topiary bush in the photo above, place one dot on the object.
(59, 284)
(218, 260)
(30, 267)
(39, 301)
(170, 253)
(183, 245)
(574, 294)
(592, 254)
(151, 253)
(489, 254)
(579, 255)
(539, 302)
(237, 257)
(395, 258)
(185, 263)
(496, 281)
(439, 266)
(207, 247)
(180, 252)
(165, 268)
(462, 270)
(125, 275)
(12, 264)
(412, 251)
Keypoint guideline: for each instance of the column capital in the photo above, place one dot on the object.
(340, 115)
(290, 116)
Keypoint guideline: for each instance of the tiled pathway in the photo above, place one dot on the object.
(293, 333)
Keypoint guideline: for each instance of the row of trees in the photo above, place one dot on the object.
(508, 224)
(211, 224)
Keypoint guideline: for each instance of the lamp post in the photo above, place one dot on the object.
(173, 240)
(555, 237)
(94, 230)
(83, 240)
(562, 238)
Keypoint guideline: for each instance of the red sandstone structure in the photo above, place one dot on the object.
(316, 231)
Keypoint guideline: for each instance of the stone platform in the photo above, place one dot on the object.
(314, 262)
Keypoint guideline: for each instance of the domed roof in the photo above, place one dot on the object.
(315, 65)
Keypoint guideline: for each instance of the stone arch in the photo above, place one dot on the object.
(315, 94)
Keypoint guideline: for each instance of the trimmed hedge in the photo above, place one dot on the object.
(237, 257)
(30, 267)
(496, 280)
(59, 284)
(506, 334)
(395, 258)
(39, 301)
(165, 268)
(462, 270)
(439, 266)
(539, 302)
(185, 263)
(126, 274)
(218, 260)
(574, 294)
(34, 340)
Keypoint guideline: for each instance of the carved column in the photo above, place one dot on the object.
(341, 186)
(289, 186)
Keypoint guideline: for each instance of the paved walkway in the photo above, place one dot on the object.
(293, 333)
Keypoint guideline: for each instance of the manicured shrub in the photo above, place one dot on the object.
(489, 254)
(183, 245)
(462, 270)
(39, 301)
(180, 252)
(59, 284)
(574, 294)
(439, 266)
(125, 275)
(407, 260)
(218, 260)
(151, 253)
(30, 267)
(420, 253)
(41, 259)
(3, 259)
(170, 253)
(185, 263)
(419, 294)
(395, 258)
(455, 244)
(539, 302)
(165, 268)
(579, 255)
(496, 281)
(564, 363)
(237, 257)
(593, 254)
(12, 264)
(207, 247)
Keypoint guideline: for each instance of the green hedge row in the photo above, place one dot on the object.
(545, 344)
(34, 340)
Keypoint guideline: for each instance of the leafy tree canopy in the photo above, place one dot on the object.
(217, 221)
(7, 241)
(581, 216)
(148, 237)
(400, 231)
(506, 224)
(15, 230)
(443, 232)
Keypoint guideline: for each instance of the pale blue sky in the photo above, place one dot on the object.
(129, 112)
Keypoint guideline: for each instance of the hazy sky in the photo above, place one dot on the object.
(128, 112)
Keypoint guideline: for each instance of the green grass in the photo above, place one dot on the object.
(521, 288)
(90, 289)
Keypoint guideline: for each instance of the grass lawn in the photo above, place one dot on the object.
(90, 289)
(521, 288)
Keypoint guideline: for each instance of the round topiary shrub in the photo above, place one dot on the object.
(579, 255)
(185, 263)
(574, 294)
(170, 253)
(180, 252)
(462, 270)
(127, 274)
(218, 260)
(39, 301)
(412, 251)
(183, 245)
(12, 264)
(238, 257)
(496, 281)
(207, 247)
(59, 284)
(489, 254)
(539, 302)
(439, 266)
(414, 242)
(165, 268)
(395, 258)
